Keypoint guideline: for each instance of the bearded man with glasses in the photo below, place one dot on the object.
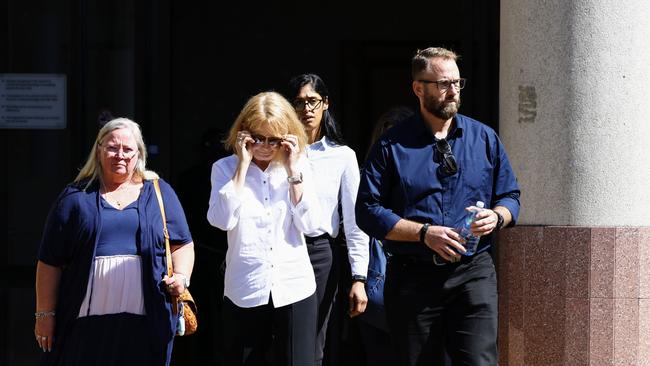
(420, 179)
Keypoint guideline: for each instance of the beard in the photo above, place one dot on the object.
(445, 109)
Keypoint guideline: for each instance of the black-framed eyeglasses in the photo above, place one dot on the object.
(449, 165)
(444, 85)
(311, 103)
(274, 142)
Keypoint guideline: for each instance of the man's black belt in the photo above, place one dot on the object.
(427, 259)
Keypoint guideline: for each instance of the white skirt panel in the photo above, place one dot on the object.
(114, 287)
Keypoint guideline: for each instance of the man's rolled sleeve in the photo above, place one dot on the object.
(512, 204)
(506, 188)
(372, 217)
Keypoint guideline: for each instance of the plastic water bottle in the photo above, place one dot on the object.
(465, 231)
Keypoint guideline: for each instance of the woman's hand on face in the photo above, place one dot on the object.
(292, 151)
(244, 146)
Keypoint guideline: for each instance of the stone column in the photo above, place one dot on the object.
(574, 275)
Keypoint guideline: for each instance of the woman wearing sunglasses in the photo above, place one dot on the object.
(337, 191)
(262, 195)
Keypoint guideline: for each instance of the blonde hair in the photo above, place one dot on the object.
(92, 168)
(420, 61)
(271, 110)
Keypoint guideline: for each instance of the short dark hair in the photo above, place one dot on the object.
(420, 61)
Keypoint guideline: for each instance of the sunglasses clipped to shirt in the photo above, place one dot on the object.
(449, 165)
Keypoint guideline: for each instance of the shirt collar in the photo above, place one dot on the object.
(459, 125)
(456, 130)
(322, 144)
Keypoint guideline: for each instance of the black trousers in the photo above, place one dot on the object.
(324, 254)
(377, 345)
(432, 308)
(264, 335)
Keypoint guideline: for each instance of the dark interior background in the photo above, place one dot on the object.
(183, 70)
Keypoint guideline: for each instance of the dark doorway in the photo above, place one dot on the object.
(183, 71)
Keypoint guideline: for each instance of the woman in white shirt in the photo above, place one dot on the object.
(262, 196)
(337, 185)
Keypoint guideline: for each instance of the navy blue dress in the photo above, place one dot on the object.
(70, 241)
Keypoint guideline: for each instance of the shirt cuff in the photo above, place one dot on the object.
(385, 224)
(512, 205)
(360, 267)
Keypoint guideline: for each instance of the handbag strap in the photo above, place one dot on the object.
(168, 252)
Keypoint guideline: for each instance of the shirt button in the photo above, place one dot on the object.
(266, 198)
(264, 182)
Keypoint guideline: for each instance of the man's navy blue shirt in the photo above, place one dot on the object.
(401, 179)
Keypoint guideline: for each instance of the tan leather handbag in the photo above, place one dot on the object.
(187, 317)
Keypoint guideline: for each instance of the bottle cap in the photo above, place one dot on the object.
(480, 204)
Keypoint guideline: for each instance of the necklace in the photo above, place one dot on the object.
(112, 200)
(109, 199)
(118, 201)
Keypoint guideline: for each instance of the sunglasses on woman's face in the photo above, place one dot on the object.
(273, 142)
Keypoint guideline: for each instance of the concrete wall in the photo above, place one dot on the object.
(574, 116)
(575, 109)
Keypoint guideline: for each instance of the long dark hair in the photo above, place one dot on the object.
(328, 127)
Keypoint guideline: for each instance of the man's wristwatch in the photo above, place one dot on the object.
(423, 232)
(295, 179)
(360, 278)
(499, 221)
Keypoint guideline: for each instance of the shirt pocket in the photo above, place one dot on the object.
(253, 234)
(476, 176)
(418, 187)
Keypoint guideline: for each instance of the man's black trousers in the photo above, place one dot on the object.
(432, 309)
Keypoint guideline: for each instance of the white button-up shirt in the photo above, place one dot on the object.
(267, 255)
(337, 177)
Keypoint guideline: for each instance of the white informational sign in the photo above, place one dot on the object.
(33, 101)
